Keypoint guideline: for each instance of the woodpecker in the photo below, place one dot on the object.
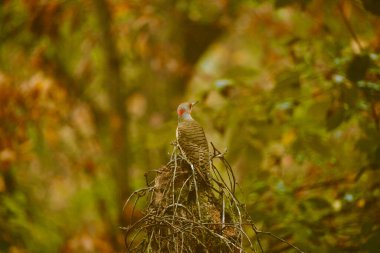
(192, 140)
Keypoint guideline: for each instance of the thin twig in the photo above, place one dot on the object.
(278, 238)
(348, 26)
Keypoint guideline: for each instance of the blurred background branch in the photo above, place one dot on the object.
(88, 92)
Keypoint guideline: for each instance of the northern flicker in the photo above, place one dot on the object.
(192, 140)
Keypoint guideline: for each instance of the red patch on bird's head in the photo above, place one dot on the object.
(181, 111)
(184, 108)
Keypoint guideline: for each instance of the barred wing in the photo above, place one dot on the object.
(193, 143)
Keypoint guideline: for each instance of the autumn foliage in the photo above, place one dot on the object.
(88, 92)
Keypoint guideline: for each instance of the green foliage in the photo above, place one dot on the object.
(88, 99)
(357, 67)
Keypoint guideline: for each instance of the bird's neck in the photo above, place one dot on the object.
(185, 117)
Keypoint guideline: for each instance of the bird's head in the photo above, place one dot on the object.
(184, 110)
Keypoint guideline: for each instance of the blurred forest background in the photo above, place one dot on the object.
(88, 98)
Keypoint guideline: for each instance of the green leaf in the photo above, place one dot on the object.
(318, 203)
(335, 117)
(318, 145)
(288, 80)
(288, 84)
(350, 96)
(369, 85)
(357, 68)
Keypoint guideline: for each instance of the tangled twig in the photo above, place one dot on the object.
(186, 214)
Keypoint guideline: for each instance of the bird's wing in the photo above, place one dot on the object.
(193, 143)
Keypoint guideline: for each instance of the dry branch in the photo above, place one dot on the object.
(186, 214)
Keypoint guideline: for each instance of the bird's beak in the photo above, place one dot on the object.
(194, 103)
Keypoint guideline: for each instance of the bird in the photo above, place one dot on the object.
(192, 141)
